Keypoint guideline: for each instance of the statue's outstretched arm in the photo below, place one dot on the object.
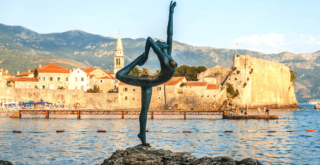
(170, 27)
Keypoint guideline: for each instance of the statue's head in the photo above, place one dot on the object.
(162, 45)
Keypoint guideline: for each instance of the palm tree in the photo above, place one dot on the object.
(145, 70)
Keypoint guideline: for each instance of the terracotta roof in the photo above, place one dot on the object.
(174, 81)
(6, 74)
(210, 76)
(212, 86)
(52, 68)
(90, 76)
(121, 83)
(89, 70)
(196, 83)
(26, 79)
(106, 77)
(25, 73)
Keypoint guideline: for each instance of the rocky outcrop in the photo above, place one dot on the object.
(317, 106)
(3, 162)
(142, 155)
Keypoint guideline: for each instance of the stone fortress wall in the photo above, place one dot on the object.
(261, 82)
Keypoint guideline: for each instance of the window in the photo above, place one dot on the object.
(201, 95)
(82, 87)
(58, 79)
(78, 71)
(43, 87)
(67, 78)
(169, 89)
(132, 98)
(126, 98)
(44, 78)
(100, 81)
(76, 79)
(133, 90)
(208, 96)
(2, 85)
(125, 89)
(159, 88)
(159, 97)
(51, 78)
(82, 79)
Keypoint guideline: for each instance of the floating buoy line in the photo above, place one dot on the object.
(163, 131)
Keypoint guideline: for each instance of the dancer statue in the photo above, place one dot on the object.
(146, 82)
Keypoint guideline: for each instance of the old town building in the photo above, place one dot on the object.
(78, 80)
(5, 73)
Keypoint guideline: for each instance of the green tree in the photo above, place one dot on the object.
(145, 70)
(158, 71)
(36, 73)
(293, 75)
(135, 71)
(190, 72)
(201, 69)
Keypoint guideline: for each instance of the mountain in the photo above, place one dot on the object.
(22, 49)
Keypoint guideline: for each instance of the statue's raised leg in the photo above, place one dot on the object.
(146, 93)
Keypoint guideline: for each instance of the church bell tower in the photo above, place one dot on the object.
(118, 56)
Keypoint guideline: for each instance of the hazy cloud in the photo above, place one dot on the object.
(276, 43)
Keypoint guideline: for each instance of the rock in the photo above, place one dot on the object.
(3, 162)
(143, 155)
(317, 106)
(249, 161)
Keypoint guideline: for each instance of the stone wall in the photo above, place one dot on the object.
(67, 97)
(261, 82)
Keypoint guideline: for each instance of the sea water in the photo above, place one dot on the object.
(82, 144)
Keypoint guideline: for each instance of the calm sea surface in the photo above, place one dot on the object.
(207, 138)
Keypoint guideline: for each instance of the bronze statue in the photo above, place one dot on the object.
(168, 67)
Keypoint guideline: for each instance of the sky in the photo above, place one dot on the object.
(270, 26)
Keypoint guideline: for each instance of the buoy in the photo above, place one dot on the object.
(228, 131)
(310, 130)
(102, 131)
(271, 131)
(147, 130)
(186, 131)
(82, 131)
(123, 131)
(164, 131)
(16, 131)
(38, 131)
(252, 131)
(58, 131)
(291, 130)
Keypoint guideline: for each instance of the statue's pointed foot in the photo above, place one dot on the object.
(143, 139)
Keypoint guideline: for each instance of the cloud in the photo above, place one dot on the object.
(276, 43)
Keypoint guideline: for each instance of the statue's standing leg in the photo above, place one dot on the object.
(146, 93)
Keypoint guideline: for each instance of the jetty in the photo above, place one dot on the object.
(119, 114)
(251, 117)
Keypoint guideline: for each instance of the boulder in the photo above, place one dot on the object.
(3, 162)
(144, 155)
(317, 106)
